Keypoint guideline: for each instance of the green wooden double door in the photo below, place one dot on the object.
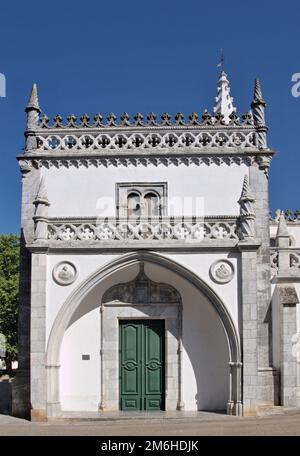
(142, 365)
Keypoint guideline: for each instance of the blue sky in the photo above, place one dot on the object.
(103, 56)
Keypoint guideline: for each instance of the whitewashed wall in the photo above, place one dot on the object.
(79, 191)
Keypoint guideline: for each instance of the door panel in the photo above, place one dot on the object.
(142, 365)
(129, 366)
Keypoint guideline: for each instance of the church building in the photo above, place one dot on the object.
(152, 274)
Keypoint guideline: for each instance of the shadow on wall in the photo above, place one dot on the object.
(206, 349)
(5, 395)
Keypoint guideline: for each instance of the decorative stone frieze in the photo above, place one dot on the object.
(155, 229)
(147, 160)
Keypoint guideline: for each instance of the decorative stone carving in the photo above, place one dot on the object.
(247, 228)
(258, 109)
(156, 229)
(25, 167)
(40, 218)
(142, 290)
(33, 112)
(224, 102)
(197, 160)
(64, 273)
(130, 140)
(264, 162)
(222, 271)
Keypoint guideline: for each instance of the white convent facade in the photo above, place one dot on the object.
(152, 275)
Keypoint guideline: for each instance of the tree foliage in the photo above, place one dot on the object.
(9, 293)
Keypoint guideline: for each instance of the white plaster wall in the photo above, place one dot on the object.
(200, 265)
(57, 294)
(294, 231)
(205, 351)
(80, 379)
(77, 191)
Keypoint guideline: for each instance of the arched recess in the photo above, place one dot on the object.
(64, 316)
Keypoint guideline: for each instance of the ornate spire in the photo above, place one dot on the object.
(282, 230)
(247, 216)
(247, 194)
(223, 101)
(41, 203)
(258, 98)
(33, 113)
(41, 196)
(258, 109)
(33, 102)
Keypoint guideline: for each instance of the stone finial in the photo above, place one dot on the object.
(258, 109)
(247, 215)
(33, 112)
(33, 102)
(282, 230)
(41, 196)
(41, 203)
(246, 194)
(258, 98)
(223, 101)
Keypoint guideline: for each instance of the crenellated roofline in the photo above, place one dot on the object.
(224, 130)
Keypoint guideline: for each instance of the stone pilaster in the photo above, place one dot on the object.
(288, 300)
(21, 385)
(249, 328)
(38, 337)
(266, 388)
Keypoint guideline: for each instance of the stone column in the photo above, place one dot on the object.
(288, 300)
(38, 337)
(53, 400)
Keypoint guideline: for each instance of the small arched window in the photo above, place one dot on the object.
(134, 209)
(152, 207)
(141, 200)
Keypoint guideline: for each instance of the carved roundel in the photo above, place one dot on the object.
(64, 273)
(222, 271)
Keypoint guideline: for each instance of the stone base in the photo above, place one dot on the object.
(38, 415)
(21, 397)
(250, 411)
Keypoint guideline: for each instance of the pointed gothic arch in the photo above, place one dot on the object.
(64, 316)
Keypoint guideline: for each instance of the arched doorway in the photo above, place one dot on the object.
(73, 303)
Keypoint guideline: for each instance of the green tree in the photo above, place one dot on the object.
(9, 294)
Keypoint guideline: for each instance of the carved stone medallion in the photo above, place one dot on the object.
(222, 271)
(64, 273)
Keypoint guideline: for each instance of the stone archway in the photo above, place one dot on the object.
(234, 404)
(141, 298)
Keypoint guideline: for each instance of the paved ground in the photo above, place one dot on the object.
(204, 424)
